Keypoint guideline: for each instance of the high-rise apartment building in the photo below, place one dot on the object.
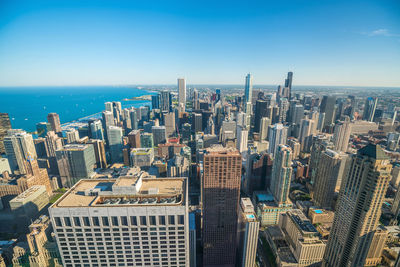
(134, 139)
(155, 101)
(281, 174)
(42, 128)
(358, 208)
(307, 131)
(242, 134)
(341, 135)
(369, 108)
(182, 94)
(328, 106)
(220, 201)
(159, 135)
(72, 135)
(329, 175)
(19, 147)
(248, 88)
(248, 230)
(75, 162)
(129, 221)
(115, 143)
(54, 121)
(277, 135)
(169, 122)
(165, 101)
(320, 143)
(265, 123)
(5, 125)
(96, 130)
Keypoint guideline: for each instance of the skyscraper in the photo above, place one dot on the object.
(242, 134)
(42, 128)
(277, 134)
(358, 208)
(115, 143)
(281, 174)
(369, 108)
(142, 222)
(248, 88)
(307, 128)
(265, 123)
(5, 125)
(288, 83)
(182, 94)
(329, 175)
(169, 122)
(328, 107)
(19, 147)
(341, 135)
(96, 130)
(261, 111)
(165, 101)
(54, 121)
(220, 201)
(155, 101)
(159, 135)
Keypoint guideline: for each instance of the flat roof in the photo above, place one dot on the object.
(76, 197)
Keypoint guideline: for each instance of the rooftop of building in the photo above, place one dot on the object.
(74, 147)
(219, 149)
(29, 192)
(374, 151)
(124, 191)
(302, 222)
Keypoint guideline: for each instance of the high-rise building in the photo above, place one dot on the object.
(54, 121)
(134, 119)
(328, 106)
(307, 131)
(319, 144)
(182, 94)
(108, 106)
(53, 143)
(369, 108)
(99, 152)
(358, 208)
(146, 140)
(242, 134)
(107, 121)
(261, 111)
(169, 122)
(115, 143)
(277, 134)
(341, 135)
(265, 123)
(96, 130)
(288, 83)
(281, 174)
(329, 175)
(75, 162)
(197, 122)
(155, 101)
(220, 201)
(117, 110)
(141, 222)
(72, 135)
(248, 229)
(5, 125)
(159, 135)
(248, 88)
(283, 110)
(19, 147)
(165, 101)
(134, 139)
(42, 128)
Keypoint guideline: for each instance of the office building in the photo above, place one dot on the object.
(165, 101)
(277, 135)
(181, 94)
(30, 202)
(307, 131)
(99, 152)
(53, 143)
(283, 110)
(288, 83)
(303, 239)
(265, 123)
(261, 111)
(146, 140)
(19, 147)
(220, 199)
(329, 173)
(96, 130)
(295, 146)
(72, 135)
(369, 108)
(169, 122)
(134, 119)
(281, 175)
(75, 162)
(197, 122)
(328, 106)
(108, 106)
(134, 138)
(54, 121)
(159, 135)
(358, 208)
(140, 222)
(248, 89)
(242, 134)
(248, 229)
(341, 135)
(142, 157)
(155, 101)
(108, 120)
(5, 125)
(320, 143)
(115, 143)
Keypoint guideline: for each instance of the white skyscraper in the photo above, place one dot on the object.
(277, 135)
(248, 89)
(242, 134)
(265, 122)
(307, 130)
(281, 174)
(129, 221)
(341, 135)
(182, 94)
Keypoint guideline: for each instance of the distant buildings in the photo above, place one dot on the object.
(5, 125)
(182, 94)
(115, 143)
(277, 135)
(54, 121)
(248, 89)
(369, 108)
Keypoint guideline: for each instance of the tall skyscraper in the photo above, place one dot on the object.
(75, 162)
(242, 134)
(115, 143)
(19, 147)
(341, 135)
(107, 121)
(220, 201)
(261, 111)
(307, 131)
(248, 233)
(108, 106)
(134, 139)
(281, 174)
(169, 122)
(141, 222)
(165, 101)
(288, 83)
(72, 135)
(54, 121)
(277, 135)
(283, 110)
(42, 128)
(369, 108)
(329, 175)
(5, 125)
(134, 119)
(248, 88)
(159, 135)
(265, 123)
(319, 144)
(328, 107)
(358, 208)
(155, 101)
(96, 130)
(182, 94)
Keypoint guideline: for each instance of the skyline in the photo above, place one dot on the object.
(120, 42)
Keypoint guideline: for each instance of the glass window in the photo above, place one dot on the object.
(152, 220)
(133, 220)
(105, 221)
(171, 219)
(57, 221)
(143, 220)
(77, 222)
(67, 221)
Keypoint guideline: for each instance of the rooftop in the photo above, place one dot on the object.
(373, 151)
(124, 191)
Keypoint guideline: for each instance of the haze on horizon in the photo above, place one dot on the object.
(333, 43)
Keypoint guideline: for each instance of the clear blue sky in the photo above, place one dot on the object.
(77, 42)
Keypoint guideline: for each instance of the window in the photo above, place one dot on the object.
(124, 220)
(57, 221)
(152, 220)
(114, 220)
(105, 221)
(143, 220)
(161, 220)
(86, 221)
(77, 222)
(96, 221)
(67, 221)
(133, 220)
(171, 219)
(181, 219)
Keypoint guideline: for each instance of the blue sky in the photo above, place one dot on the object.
(81, 42)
